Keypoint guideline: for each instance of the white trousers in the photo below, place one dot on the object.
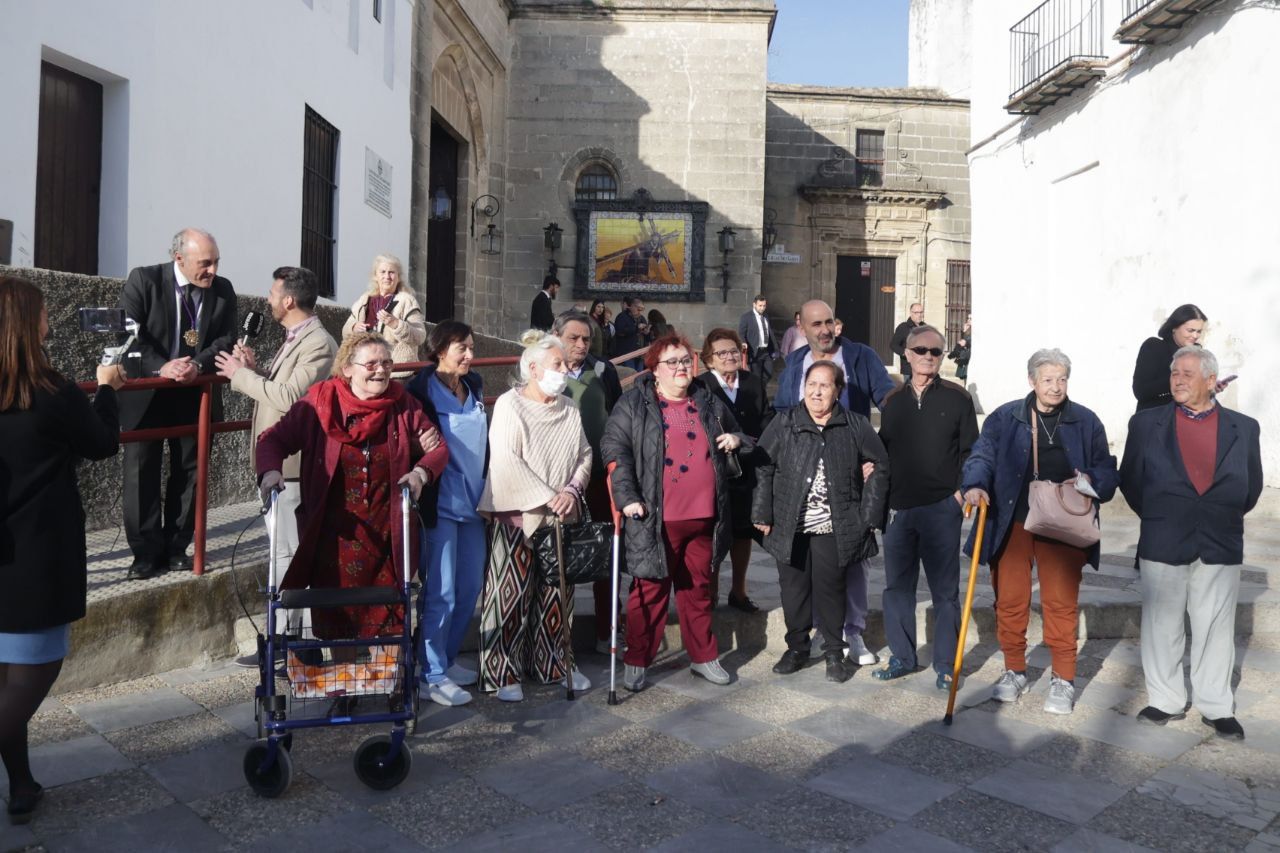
(1207, 594)
(284, 542)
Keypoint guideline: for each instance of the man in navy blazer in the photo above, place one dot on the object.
(187, 315)
(1191, 470)
(866, 380)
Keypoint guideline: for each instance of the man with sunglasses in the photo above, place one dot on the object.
(928, 425)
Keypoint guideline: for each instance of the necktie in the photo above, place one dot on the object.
(190, 335)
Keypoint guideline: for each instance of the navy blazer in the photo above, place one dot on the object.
(866, 380)
(1179, 525)
(998, 463)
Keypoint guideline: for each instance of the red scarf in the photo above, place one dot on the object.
(336, 405)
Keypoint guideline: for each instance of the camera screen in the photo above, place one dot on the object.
(102, 319)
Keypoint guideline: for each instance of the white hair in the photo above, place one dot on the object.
(1045, 357)
(1208, 361)
(185, 236)
(536, 344)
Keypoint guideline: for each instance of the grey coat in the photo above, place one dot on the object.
(634, 440)
(786, 462)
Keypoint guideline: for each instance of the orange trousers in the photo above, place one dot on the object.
(1058, 567)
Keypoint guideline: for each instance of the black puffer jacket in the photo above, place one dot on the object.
(786, 462)
(633, 438)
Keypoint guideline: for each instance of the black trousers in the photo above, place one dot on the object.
(813, 582)
(159, 529)
(761, 364)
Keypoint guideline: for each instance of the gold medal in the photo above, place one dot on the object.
(191, 338)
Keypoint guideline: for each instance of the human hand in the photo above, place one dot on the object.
(975, 496)
(959, 497)
(415, 480)
(272, 481)
(727, 441)
(868, 468)
(227, 364)
(246, 355)
(766, 529)
(391, 321)
(178, 369)
(563, 503)
(110, 375)
(429, 439)
(634, 510)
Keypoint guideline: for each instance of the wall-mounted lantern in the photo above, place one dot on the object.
(491, 239)
(441, 205)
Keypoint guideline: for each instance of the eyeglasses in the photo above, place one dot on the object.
(371, 366)
(933, 351)
(673, 363)
(727, 353)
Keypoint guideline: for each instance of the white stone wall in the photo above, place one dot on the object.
(1174, 206)
(203, 124)
(940, 45)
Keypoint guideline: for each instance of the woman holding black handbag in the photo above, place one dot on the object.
(539, 466)
(1072, 448)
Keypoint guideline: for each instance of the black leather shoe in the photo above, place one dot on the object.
(180, 563)
(1153, 716)
(745, 604)
(141, 570)
(791, 661)
(22, 807)
(839, 668)
(1226, 727)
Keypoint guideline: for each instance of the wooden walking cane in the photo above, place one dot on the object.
(566, 639)
(968, 606)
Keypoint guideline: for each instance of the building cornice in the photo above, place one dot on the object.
(803, 92)
(647, 10)
(832, 194)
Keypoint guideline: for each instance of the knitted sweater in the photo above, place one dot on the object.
(535, 450)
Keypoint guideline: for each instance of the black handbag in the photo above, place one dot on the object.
(587, 548)
(732, 464)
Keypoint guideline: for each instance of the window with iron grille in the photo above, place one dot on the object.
(319, 198)
(870, 158)
(596, 182)
(958, 296)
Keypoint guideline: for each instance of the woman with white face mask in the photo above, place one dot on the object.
(539, 465)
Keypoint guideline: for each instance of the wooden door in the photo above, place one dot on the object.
(864, 301)
(68, 171)
(442, 235)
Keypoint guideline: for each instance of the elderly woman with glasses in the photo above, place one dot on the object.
(669, 439)
(361, 436)
(389, 308)
(999, 470)
(743, 393)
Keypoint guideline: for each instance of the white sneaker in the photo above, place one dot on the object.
(859, 652)
(580, 681)
(633, 678)
(712, 671)
(448, 694)
(462, 676)
(1010, 687)
(1061, 698)
(511, 693)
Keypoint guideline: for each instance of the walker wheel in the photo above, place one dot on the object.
(377, 767)
(272, 781)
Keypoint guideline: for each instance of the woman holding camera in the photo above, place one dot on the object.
(47, 425)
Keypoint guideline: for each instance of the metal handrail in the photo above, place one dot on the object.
(1055, 32)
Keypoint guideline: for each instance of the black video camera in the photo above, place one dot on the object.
(110, 321)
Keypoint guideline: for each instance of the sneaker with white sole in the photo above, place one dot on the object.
(580, 681)
(1061, 698)
(859, 652)
(511, 693)
(448, 693)
(633, 678)
(462, 676)
(1010, 686)
(712, 671)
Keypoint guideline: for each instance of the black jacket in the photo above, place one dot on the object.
(1180, 525)
(751, 410)
(634, 440)
(417, 386)
(1151, 373)
(149, 297)
(898, 343)
(787, 461)
(927, 443)
(42, 547)
(541, 314)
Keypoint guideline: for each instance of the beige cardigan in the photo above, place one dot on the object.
(406, 337)
(535, 450)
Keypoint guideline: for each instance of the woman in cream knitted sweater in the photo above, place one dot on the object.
(539, 465)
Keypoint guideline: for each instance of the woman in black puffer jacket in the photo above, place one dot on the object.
(817, 513)
(670, 440)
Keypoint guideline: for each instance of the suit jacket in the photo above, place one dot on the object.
(1180, 525)
(749, 331)
(149, 297)
(541, 314)
(276, 389)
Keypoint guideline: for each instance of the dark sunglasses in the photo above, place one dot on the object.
(933, 351)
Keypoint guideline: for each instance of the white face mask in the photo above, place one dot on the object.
(552, 382)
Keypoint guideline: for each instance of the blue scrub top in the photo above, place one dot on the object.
(466, 430)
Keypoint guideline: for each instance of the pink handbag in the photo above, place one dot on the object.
(1057, 510)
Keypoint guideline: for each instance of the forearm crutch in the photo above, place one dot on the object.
(613, 586)
(566, 635)
(968, 606)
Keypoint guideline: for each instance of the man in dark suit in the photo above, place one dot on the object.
(899, 341)
(1192, 469)
(762, 349)
(541, 314)
(187, 314)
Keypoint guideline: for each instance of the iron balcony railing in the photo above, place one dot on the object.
(1056, 33)
(1157, 21)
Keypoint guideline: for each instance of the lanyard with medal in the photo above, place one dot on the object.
(191, 337)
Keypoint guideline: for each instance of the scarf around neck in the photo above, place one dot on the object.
(336, 405)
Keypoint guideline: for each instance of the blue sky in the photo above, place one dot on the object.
(840, 42)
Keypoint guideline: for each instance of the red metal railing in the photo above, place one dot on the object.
(204, 429)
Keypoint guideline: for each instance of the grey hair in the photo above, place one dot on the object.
(923, 329)
(1208, 361)
(1045, 357)
(180, 240)
(573, 315)
(536, 343)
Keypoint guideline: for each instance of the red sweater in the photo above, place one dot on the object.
(1198, 443)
